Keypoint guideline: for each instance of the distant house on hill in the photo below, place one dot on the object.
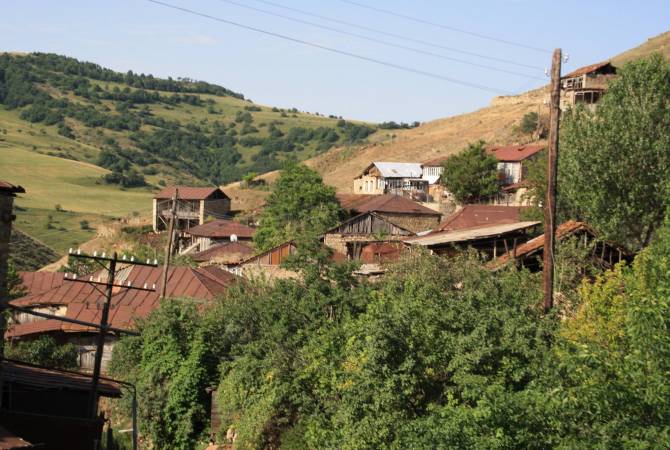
(202, 237)
(512, 170)
(586, 85)
(80, 301)
(194, 204)
(397, 210)
(392, 178)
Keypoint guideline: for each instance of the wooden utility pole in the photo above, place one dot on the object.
(168, 246)
(550, 201)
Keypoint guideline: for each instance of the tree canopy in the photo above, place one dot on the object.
(299, 202)
(614, 163)
(472, 174)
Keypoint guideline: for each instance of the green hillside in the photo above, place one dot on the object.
(97, 143)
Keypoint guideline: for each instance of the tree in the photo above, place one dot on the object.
(529, 122)
(299, 201)
(472, 174)
(614, 166)
(43, 351)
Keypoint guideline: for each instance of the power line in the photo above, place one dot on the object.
(335, 50)
(445, 27)
(398, 36)
(378, 41)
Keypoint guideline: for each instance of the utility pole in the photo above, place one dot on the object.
(168, 246)
(109, 264)
(7, 194)
(550, 201)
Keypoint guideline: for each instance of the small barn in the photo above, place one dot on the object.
(398, 210)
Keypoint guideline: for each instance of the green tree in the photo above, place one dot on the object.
(43, 351)
(299, 201)
(614, 166)
(529, 123)
(471, 175)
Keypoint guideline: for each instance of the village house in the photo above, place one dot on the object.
(392, 178)
(80, 301)
(432, 173)
(397, 210)
(203, 237)
(194, 205)
(586, 85)
(512, 170)
(225, 255)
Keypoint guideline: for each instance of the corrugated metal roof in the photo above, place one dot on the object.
(222, 228)
(84, 302)
(387, 203)
(399, 169)
(37, 282)
(447, 237)
(226, 253)
(516, 153)
(47, 378)
(471, 216)
(188, 192)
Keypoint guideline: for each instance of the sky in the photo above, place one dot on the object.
(146, 37)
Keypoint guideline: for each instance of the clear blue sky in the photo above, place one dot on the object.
(144, 37)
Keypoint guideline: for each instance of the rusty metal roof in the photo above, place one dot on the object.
(8, 188)
(222, 228)
(590, 68)
(387, 203)
(48, 378)
(470, 234)
(472, 216)
(226, 253)
(38, 282)
(84, 302)
(516, 153)
(189, 192)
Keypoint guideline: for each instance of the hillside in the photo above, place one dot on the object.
(98, 142)
(660, 44)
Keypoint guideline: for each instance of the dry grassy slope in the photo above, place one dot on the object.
(439, 138)
(660, 43)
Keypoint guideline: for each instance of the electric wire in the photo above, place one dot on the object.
(397, 36)
(445, 27)
(334, 50)
(379, 41)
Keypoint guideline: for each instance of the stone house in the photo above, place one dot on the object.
(352, 236)
(397, 210)
(203, 237)
(586, 85)
(194, 204)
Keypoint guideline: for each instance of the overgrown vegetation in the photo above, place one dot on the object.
(471, 175)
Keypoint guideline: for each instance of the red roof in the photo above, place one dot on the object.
(387, 203)
(189, 192)
(473, 216)
(222, 228)
(226, 253)
(8, 187)
(83, 300)
(38, 282)
(515, 153)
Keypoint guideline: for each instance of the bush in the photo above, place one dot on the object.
(84, 225)
(43, 351)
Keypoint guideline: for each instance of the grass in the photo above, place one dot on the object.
(59, 230)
